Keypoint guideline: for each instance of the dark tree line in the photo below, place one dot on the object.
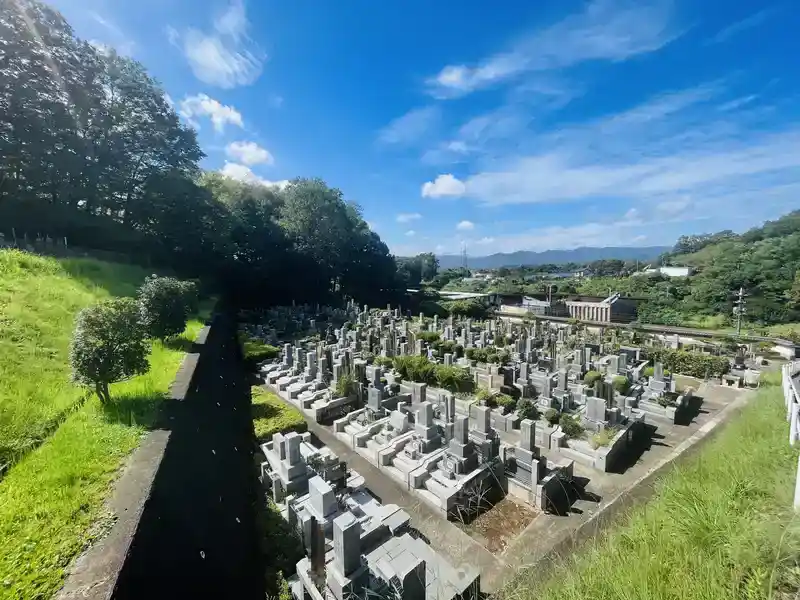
(91, 150)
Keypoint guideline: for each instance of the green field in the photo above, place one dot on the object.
(719, 527)
(52, 499)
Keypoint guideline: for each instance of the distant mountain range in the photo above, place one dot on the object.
(577, 255)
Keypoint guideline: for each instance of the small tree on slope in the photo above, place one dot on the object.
(108, 345)
(165, 304)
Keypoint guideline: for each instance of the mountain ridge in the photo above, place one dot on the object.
(582, 254)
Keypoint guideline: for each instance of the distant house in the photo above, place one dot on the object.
(537, 307)
(612, 309)
(668, 271)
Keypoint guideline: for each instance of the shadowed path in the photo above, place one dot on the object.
(198, 536)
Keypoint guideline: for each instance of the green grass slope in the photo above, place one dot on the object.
(52, 499)
(39, 298)
(719, 527)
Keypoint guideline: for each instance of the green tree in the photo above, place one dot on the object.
(527, 409)
(165, 305)
(108, 345)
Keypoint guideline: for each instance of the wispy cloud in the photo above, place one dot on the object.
(675, 146)
(411, 127)
(738, 27)
(408, 217)
(249, 153)
(606, 30)
(192, 108)
(225, 56)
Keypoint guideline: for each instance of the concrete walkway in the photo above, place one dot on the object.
(442, 535)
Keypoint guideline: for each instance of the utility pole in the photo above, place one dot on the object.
(739, 310)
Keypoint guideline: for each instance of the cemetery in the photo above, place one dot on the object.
(463, 414)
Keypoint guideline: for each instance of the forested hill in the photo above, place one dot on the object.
(576, 255)
(765, 261)
(92, 150)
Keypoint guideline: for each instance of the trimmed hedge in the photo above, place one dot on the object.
(272, 415)
(591, 377)
(693, 364)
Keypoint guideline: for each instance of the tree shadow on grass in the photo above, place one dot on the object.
(264, 411)
(135, 410)
(180, 343)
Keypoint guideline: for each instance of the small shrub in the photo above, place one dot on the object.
(369, 357)
(483, 396)
(506, 402)
(454, 379)
(620, 383)
(428, 336)
(602, 438)
(108, 345)
(345, 386)
(591, 377)
(693, 364)
(648, 372)
(416, 368)
(165, 304)
(459, 351)
(552, 416)
(570, 426)
(527, 409)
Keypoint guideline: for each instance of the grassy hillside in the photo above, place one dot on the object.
(719, 527)
(69, 447)
(39, 298)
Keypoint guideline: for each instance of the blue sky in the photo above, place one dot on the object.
(506, 126)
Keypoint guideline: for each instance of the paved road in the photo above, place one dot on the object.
(445, 537)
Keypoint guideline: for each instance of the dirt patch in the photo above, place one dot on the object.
(501, 524)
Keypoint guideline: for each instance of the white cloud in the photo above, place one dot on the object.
(249, 153)
(465, 226)
(410, 127)
(194, 107)
(245, 174)
(225, 57)
(738, 27)
(443, 185)
(606, 30)
(677, 145)
(408, 217)
(411, 233)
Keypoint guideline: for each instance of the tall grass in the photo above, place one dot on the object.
(719, 527)
(39, 298)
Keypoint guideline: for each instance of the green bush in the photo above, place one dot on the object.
(272, 415)
(345, 386)
(454, 379)
(506, 402)
(602, 438)
(369, 357)
(384, 361)
(527, 409)
(648, 372)
(620, 383)
(552, 416)
(488, 355)
(459, 351)
(692, 364)
(483, 396)
(108, 345)
(166, 304)
(415, 368)
(570, 426)
(467, 308)
(592, 376)
(428, 336)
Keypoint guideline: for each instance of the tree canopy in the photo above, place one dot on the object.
(92, 150)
